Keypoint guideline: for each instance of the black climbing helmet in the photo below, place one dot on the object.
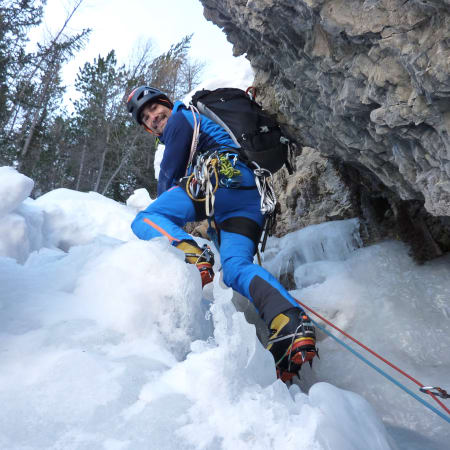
(142, 95)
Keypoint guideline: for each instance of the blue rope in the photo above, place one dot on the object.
(382, 372)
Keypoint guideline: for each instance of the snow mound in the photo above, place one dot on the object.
(14, 189)
(74, 218)
(139, 200)
(108, 342)
(381, 297)
(20, 222)
(62, 218)
(104, 344)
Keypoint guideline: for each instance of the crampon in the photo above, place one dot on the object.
(206, 272)
(295, 363)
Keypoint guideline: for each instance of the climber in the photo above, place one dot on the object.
(235, 200)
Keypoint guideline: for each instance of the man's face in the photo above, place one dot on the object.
(154, 116)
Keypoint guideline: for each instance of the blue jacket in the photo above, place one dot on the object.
(177, 137)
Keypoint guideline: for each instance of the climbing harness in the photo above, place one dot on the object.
(220, 166)
(428, 390)
(208, 166)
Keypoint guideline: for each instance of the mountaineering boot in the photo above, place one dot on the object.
(292, 342)
(203, 258)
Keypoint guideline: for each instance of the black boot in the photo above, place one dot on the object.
(292, 342)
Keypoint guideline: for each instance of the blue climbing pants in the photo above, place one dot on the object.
(173, 209)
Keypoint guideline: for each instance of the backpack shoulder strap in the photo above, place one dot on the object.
(195, 135)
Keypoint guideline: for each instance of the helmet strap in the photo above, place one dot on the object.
(147, 129)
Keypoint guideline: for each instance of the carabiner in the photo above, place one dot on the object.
(439, 392)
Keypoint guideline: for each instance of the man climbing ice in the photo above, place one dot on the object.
(201, 173)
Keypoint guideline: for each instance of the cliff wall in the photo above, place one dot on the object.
(367, 84)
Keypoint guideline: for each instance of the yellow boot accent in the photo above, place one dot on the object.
(203, 258)
(278, 323)
(192, 252)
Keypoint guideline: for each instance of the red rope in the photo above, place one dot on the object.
(373, 353)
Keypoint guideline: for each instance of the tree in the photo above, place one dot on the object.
(98, 147)
(106, 137)
(33, 90)
(191, 75)
(16, 19)
(114, 156)
(50, 62)
(165, 72)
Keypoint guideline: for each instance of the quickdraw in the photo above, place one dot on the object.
(439, 392)
(426, 389)
(264, 183)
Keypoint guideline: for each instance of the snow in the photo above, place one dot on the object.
(158, 159)
(381, 297)
(14, 189)
(108, 342)
(139, 200)
(73, 217)
(20, 222)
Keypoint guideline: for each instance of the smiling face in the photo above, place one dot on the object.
(154, 116)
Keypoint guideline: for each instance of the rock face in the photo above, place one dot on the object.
(367, 83)
(316, 193)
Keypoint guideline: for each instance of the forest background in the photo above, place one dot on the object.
(89, 143)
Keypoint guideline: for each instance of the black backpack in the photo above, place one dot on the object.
(256, 131)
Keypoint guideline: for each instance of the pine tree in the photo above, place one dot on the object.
(101, 121)
(31, 89)
(98, 147)
(16, 19)
(165, 72)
